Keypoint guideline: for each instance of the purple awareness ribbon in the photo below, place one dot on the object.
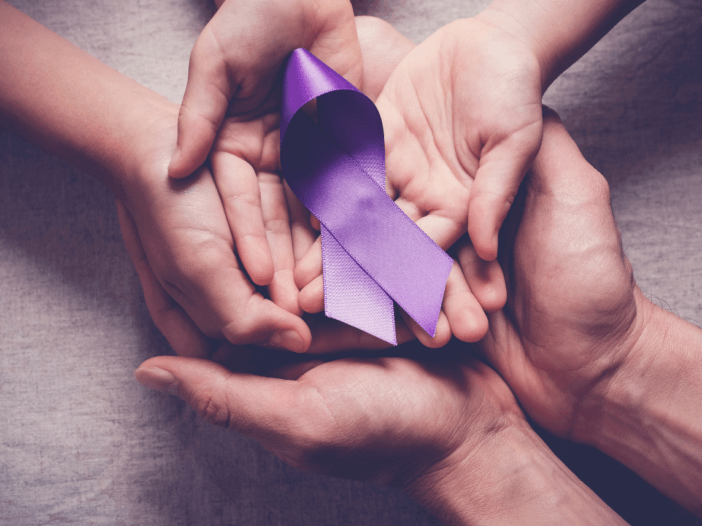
(372, 252)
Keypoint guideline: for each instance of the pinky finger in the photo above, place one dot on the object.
(311, 297)
(441, 336)
(485, 278)
(465, 315)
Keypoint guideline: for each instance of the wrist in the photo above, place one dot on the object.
(649, 417)
(558, 32)
(508, 477)
(521, 28)
(152, 131)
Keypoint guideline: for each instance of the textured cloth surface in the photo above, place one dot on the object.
(82, 443)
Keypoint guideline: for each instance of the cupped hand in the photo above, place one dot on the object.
(235, 64)
(571, 315)
(177, 235)
(388, 419)
(462, 117)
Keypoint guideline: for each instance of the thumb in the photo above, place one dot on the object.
(496, 184)
(258, 406)
(204, 105)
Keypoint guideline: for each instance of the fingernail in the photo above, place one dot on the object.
(287, 339)
(157, 379)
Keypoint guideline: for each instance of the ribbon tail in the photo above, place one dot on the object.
(352, 296)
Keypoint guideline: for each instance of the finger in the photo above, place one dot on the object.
(207, 95)
(443, 230)
(262, 321)
(310, 266)
(201, 272)
(465, 315)
(441, 337)
(178, 328)
(239, 190)
(314, 223)
(303, 235)
(282, 288)
(267, 409)
(312, 296)
(484, 278)
(496, 183)
(222, 301)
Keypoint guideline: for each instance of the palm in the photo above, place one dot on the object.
(179, 235)
(378, 419)
(464, 107)
(571, 296)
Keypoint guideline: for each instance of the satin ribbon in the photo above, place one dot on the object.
(372, 252)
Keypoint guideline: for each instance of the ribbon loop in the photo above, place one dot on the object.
(372, 252)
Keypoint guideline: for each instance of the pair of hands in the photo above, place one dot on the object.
(432, 183)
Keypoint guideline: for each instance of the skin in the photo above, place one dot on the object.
(449, 157)
(234, 76)
(441, 425)
(186, 245)
(572, 304)
(244, 161)
(462, 117)
(454, 132)
(586, 354)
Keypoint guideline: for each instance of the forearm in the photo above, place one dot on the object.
(559, 32)
(650, 415)
(69, 103)
(512, 479)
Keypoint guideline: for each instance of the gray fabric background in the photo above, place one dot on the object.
(82, 443)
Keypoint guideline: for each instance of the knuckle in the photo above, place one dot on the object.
(241, 199)
(212, 410)
(600, 187)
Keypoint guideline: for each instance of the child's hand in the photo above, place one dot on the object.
(178, 237)
(236, 61)
(462, 117)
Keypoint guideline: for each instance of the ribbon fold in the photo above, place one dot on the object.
(373, 253)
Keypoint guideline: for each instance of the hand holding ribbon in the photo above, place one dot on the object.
(372, 251)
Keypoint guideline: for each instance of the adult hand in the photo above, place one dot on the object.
(573, 311)
(390, 419)
(444, 427)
